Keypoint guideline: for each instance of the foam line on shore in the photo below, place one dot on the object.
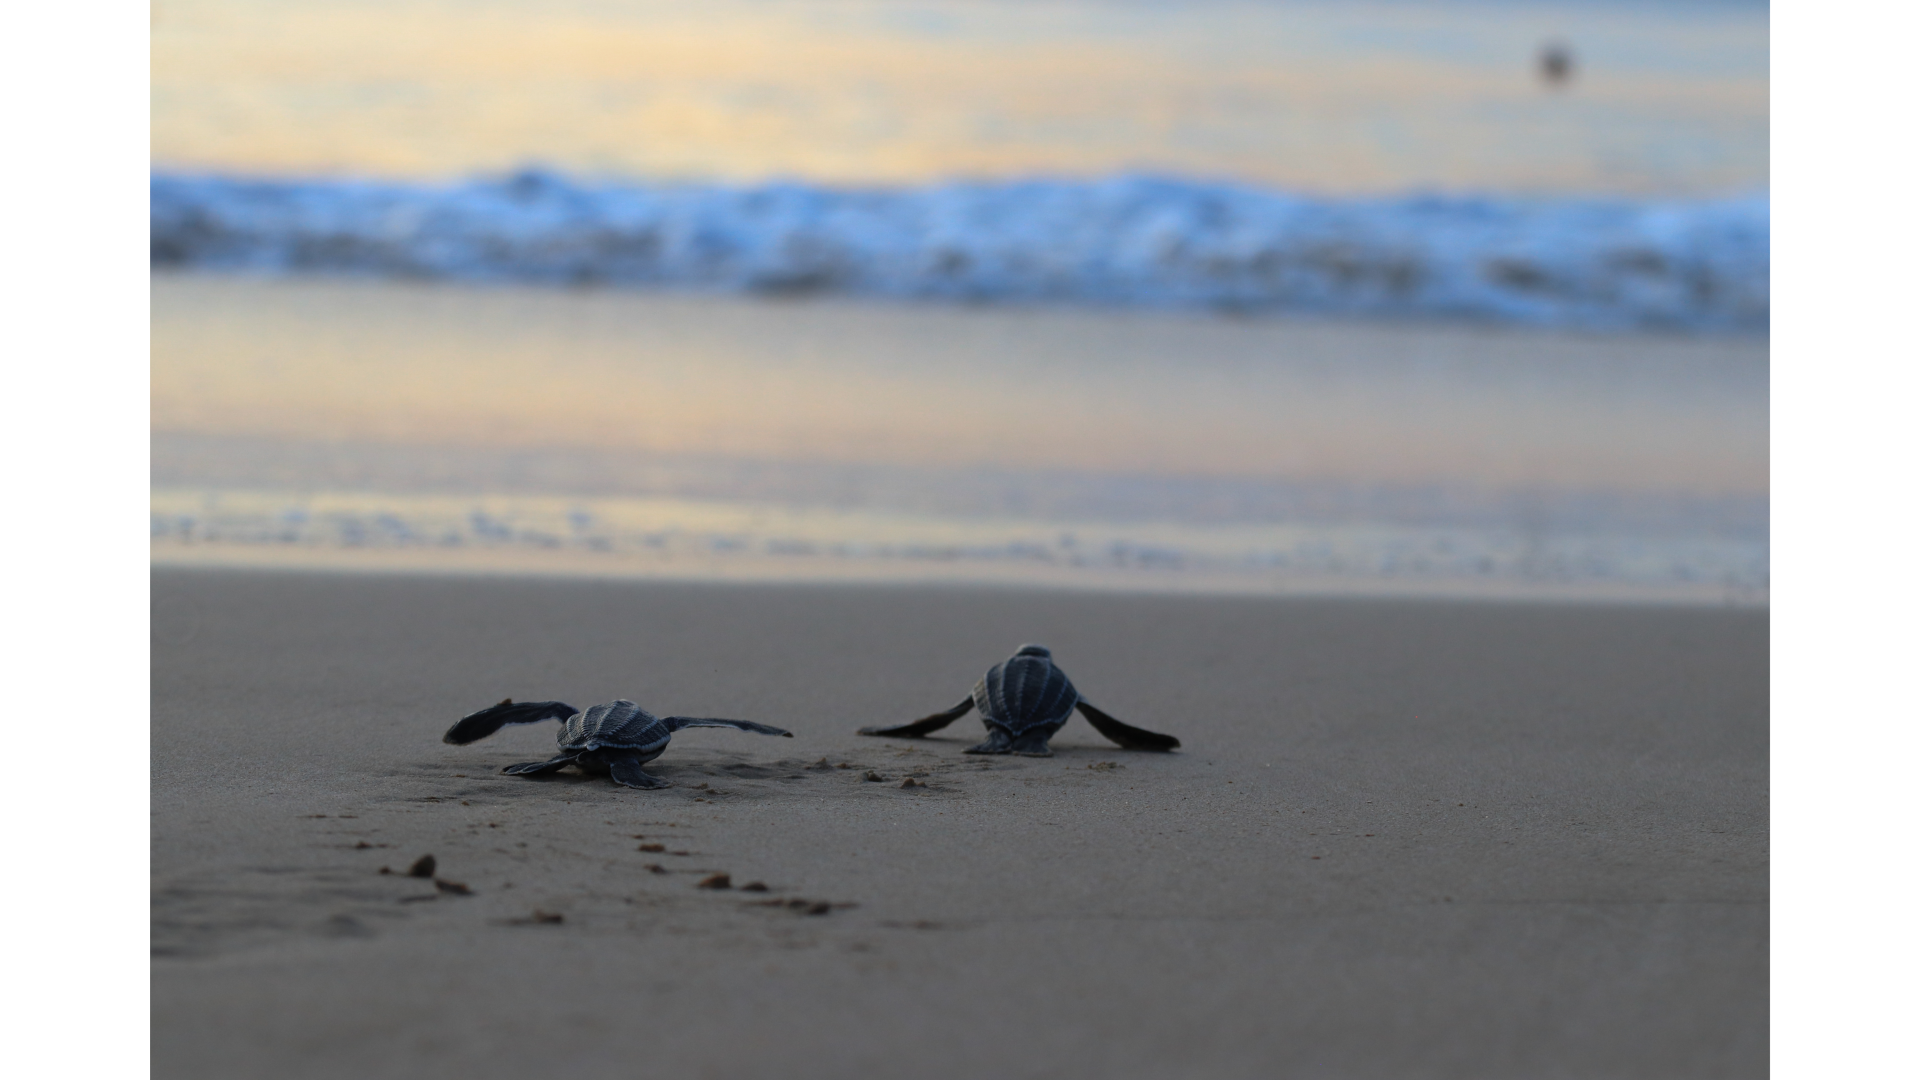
(640, 537)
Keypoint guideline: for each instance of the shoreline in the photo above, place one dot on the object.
(929, 573)
(842, 440)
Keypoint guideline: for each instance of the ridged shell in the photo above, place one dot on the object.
(620, 724)
(1025, 691)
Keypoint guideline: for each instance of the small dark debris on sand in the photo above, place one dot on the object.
(755, 886)
(653, 847)
(911, 782)
(679, 852)
(422, 867)
(657, 868)
(846, 765)
(539, 918)
(823, 765)
(345, 926)
(804, 907)
(1105, 766)
(917, 924)
(874, 777)
(454, 887)
(363, 845)
(716, 881)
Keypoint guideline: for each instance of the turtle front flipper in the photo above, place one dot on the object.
(476, 726)
(625, 769)
(1126, 735)
(538, 768)
(676, 723)
(926, 725)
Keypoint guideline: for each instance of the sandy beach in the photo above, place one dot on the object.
(1403, 839)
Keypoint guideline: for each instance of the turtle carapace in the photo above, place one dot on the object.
(614, 739)
(1024, 700)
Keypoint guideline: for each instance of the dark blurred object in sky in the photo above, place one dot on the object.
(1556, 64)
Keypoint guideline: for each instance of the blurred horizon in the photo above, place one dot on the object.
(1365, 97)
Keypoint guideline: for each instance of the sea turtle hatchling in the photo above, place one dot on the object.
(614, 739)
(1024, 700)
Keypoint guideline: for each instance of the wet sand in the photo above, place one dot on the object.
(317, 383)
(1403, 839)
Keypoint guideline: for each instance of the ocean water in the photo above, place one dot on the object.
(1236, 296)
(1378, 158)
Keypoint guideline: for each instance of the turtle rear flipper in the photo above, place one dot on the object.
(1126, 735)
(476, 726)
(926, 725)
(676, 723)
(998, 742)
(537, 768)
(1033, 741)
(625, 769)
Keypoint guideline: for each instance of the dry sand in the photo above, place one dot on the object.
(1403, 840)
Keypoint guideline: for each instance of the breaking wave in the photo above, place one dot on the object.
(1128, 241)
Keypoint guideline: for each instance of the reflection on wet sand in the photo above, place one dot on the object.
(668, 433)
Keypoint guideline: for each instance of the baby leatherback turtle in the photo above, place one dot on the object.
(1024, 700)
(614, 739)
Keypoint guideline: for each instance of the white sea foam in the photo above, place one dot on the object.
(1134, 241)
(668, 536)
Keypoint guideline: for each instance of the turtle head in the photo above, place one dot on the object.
(1033, 650)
